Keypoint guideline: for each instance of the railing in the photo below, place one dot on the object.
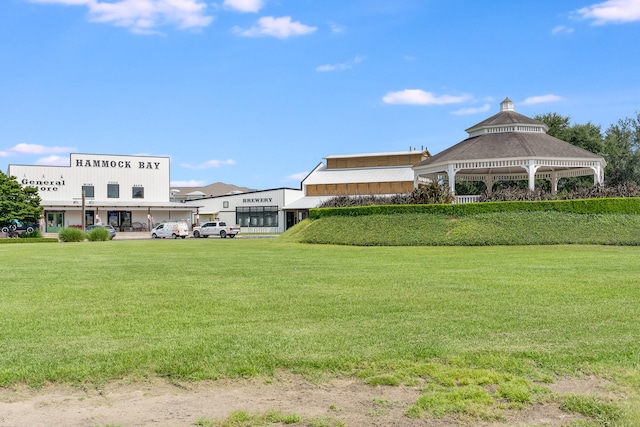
(467, 199)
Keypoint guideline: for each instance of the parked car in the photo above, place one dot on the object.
(214, 229)
(19, 226)
(170, 229)
(109, 228)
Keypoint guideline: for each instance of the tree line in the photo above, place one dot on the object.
(618, 144)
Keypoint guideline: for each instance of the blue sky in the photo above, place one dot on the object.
(256, 92)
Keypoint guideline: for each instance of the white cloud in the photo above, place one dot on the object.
(297, 176)
(244, 5)
(30, 149)
(142, 16)
(281, 28)
(561, 29)
(612, 11)
(210, 164)
(337, 28)
(420, 97)
(53, 161)
(541, 99)
(472, 110)
(65, 2)
(340, 67)
(190, 183)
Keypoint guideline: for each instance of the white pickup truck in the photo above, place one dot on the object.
(216, 228)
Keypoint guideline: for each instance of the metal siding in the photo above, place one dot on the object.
(154, 181)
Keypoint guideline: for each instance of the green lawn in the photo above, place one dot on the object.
(204, 309)
(486, 229)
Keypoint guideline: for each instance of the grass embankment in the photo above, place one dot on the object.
(480, 326)
(501, 228)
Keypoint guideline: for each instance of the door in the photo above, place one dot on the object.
(89, 218)
(291, 219)
(112, 220)
(55, 222)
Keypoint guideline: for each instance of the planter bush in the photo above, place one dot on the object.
(98, 234)
(35, 234)
(70, 234)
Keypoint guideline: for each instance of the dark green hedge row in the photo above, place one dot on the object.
(622, 205)
(29, 240)
(487, 229)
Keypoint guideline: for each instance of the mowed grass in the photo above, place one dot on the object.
(204, 309)
(494, 228)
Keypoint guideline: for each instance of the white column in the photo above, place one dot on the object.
(531, 170)
(451, 174)
(598, 175)
(488, 181)
(554, 183)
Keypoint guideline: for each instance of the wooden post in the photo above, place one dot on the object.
(83, 214)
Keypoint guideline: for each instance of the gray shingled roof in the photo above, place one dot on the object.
(506, 118)
(509, 145)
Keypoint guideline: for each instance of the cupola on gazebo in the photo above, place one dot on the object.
(509, 146)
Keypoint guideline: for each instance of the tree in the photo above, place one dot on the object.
(587, 136)
(556, 123)
(17, 202)
(621, 144)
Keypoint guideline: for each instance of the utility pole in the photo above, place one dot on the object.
(83, 214)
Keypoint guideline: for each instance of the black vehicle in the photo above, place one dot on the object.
(15, 225)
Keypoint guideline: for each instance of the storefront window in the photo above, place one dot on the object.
(89, 218)
(257, 216)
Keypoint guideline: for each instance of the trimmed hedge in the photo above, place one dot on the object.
(30, 240)
(486, 229)
(620, 205)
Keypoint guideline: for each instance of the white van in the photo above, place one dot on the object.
(173, 229)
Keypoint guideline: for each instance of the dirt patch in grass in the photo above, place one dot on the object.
(160, 403)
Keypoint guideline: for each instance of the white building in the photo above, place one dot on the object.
(255, 211)
(380, 174)
(127, 192)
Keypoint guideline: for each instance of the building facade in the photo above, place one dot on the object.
(384, 173)
(128, 192)
(255, 211)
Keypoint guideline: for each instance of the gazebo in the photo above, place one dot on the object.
(509, 146)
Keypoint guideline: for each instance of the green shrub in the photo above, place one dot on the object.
(98, 234)
(34, 240)
(35, 234)
(71, 235)
(620, 205)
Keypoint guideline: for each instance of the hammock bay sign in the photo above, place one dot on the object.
(120, 164)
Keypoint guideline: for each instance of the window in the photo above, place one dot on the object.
(89, 218)
(88, 190)
(225, 204)
(113, 191)
(138, 193)
(257, 216)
